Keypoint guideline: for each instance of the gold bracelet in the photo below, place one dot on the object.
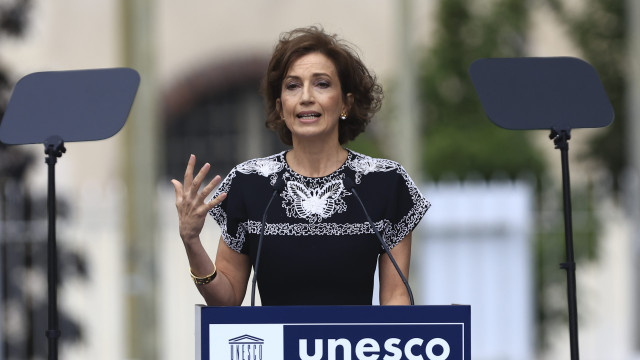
(205, 279)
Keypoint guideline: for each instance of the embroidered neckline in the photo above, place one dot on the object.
(339, 170)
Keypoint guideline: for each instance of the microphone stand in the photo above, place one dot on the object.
(278, 186)
(348, 183)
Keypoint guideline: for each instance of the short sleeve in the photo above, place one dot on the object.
(405, 207)
(231, 213)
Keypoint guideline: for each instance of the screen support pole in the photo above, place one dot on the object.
(560, 139)
(53, 148)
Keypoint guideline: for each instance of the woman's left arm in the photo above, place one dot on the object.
(392, 289)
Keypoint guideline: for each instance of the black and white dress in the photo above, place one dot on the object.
(318, 247)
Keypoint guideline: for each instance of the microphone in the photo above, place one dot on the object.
(350, 185)
(277, 187)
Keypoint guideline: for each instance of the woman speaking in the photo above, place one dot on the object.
(303, 217)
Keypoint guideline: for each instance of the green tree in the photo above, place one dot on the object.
(599, 27)
(459, 138)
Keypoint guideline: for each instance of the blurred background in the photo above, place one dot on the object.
(493, 239)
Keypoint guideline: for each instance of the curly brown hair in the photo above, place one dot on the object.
(354, 77)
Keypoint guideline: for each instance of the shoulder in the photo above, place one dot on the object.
(254, 171)
(364, 165)
(265, 166)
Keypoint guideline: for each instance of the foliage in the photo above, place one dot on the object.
(459, 138)
(23, 244)
(599, 30)
(12, 23)
(365, 143)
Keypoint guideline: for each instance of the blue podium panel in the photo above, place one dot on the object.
(333, 332)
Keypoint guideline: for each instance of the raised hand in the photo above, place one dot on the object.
(190, 203)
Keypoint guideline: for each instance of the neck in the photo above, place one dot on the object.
(316, 161)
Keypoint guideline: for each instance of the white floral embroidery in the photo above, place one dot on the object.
(264, 167)
(316, 199)
(314, 204)
(267, 167)
(329, 228)
(363, 165)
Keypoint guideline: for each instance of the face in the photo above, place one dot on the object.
(311, 99)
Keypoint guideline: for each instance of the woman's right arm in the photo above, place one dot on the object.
(233, 269)
(232, 273)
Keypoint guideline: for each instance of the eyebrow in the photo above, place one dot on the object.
(319, 74)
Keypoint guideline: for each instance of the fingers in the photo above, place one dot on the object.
(192, 185)
(216, 201)
(207, 190)
(188, 174)
(197, 181)
(177, 186)
(210, 186)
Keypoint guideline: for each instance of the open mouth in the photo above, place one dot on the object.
(308, 115)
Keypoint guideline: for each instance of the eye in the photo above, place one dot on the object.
(292, 85)
(323, 84)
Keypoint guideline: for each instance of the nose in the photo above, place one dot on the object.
(307, 94)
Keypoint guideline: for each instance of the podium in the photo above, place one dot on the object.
(333, 332)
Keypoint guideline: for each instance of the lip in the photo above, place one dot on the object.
(308, 116)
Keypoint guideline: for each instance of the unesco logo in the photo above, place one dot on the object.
(246, 347)
(373, 342)
(371, 349)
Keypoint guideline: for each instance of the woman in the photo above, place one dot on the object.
(318, 248)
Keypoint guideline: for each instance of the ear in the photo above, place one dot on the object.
(348, 102)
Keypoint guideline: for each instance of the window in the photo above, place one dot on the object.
(217, 114)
